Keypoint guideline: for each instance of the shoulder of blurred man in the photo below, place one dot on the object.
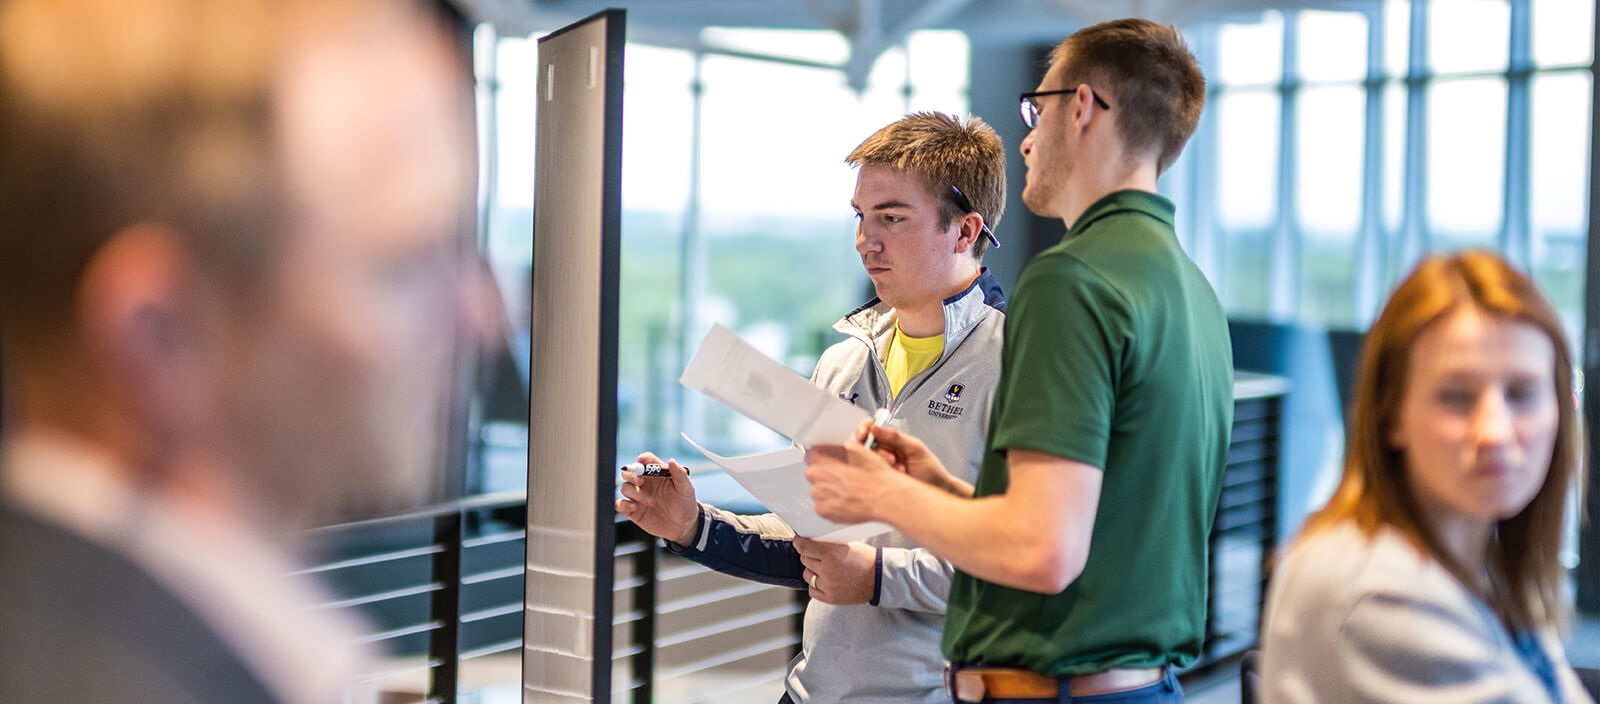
(81, 623)
(110, 575)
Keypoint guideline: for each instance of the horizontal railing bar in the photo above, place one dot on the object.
(714, 596)
(775, 677)
(385, 674)
(383, 596)
(374, 559)
(492, 649)
(721, 627)
(399, 632)
(727, 657)
(495, 538)
(547, 692)
(632, 684)
(492, 575)
(629, 549)
(485, 614)
(688, 570)
(472, 503)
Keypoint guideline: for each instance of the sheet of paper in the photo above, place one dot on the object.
(778, 481)
(729, 370)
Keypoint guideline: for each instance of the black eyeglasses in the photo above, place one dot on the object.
(1030, 103)
(961, 200)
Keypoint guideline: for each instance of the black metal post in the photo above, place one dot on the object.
(644, 634)
(444, 609)
(1588, 572)
(1271, 468)
(798, 620)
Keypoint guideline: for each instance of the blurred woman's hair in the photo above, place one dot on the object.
(1524, 584)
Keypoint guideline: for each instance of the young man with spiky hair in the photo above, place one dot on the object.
(929, 191)
(1082, 549)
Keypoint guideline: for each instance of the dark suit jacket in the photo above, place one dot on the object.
(79, 623)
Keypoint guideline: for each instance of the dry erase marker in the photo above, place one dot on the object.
(881, 417)
(651, 470)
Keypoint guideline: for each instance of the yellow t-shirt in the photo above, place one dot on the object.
(908, 356)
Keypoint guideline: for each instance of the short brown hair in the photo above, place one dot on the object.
(1525, 572)
(943, 152)
(114, 114)
(1148, 70)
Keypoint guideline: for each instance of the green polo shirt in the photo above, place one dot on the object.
(1116, 355)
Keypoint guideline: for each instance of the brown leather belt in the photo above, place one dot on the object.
(973, 684)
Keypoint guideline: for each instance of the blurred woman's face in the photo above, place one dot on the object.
(1477, 422)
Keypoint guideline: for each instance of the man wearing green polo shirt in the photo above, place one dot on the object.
(1082, 548)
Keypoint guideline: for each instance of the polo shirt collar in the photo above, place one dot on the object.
(1153, 204)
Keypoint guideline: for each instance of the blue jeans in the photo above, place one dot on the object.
(1166, 691)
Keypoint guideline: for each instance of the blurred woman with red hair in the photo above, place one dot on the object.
(1433, 572)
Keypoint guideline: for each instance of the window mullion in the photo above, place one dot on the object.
(692, 407)
(1286, 263)
(1208, 247)
(1372, 240)
(1414, 239)
(1515, 230)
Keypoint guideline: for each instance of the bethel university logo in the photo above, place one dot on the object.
(948, 411)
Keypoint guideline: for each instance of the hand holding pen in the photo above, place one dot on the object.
(663, 506)
(908, 454)
(880, 418)
(653, 469)
(852, 481)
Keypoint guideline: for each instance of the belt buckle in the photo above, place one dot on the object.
(954, 689)
(968, 685)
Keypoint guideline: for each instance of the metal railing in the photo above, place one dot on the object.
(446, 581)
(434, 581)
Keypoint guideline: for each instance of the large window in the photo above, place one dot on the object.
(1340, 147)
(1345, 145)
(735, 210)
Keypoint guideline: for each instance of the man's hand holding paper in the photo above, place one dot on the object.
(777, 480)
(849, 483)
(728, 369)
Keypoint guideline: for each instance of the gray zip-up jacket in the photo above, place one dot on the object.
(886, 650)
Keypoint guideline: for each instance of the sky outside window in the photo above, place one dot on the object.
(1330, 144)
(1332, 45)
(1247, 158)
(1563, 32)
(1468, 36)
(1466, 160)
(1250, 54)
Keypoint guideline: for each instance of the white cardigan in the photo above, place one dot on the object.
(1353, 619)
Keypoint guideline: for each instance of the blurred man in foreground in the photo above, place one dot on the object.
(231, 292)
